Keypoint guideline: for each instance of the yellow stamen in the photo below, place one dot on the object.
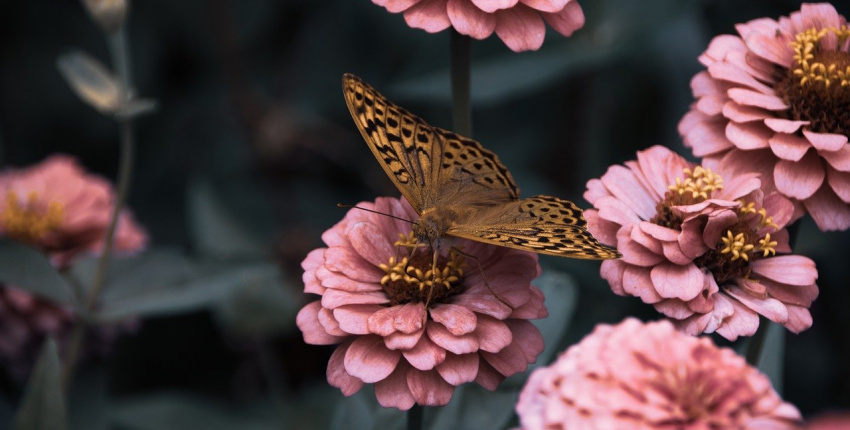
(31, 221)
(736, 245)
(767, 246)
(806, 45)
(699, 183)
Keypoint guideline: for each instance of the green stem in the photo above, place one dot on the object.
(121, 63)
(460, 69)
(414, 417)
(757, 342)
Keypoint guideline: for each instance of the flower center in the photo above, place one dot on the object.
(29, 220)
(415, 278)
(748, 239)
(817, 87)
(697, 187)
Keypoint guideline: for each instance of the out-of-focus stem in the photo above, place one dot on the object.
(121, 63)
(461, 48)
(414, 417)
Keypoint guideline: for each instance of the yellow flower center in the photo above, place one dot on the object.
(31, 220)
(817, 87)
(417, 277)
(697, 186)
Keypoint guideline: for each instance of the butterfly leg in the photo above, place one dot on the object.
(483, 275)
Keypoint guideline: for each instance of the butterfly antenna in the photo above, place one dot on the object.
(343, 205)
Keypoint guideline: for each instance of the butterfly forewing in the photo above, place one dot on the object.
(438, 169)
(430, 166)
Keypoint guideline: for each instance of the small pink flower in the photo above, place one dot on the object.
(416, 342)
(646, 376)
(700, 246)
(62, 210)
(774, 101)
(521, 24)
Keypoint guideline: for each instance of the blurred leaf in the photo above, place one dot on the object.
(362, 411)
(136, 108)
(260, 309)
(180, 411)
(43, 405)
(87, 399)
(473, 407)
(214, 228)
(166, 282)
(772, 357)
(91, 81)
(27, 268)
(561, 294)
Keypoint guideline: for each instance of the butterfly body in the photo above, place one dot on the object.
(461, 189)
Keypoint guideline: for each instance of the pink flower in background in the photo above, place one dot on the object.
(700, 246)
(521, 24)
(830, 421)
(646, 376)
(774, 101)
(59, 208)
(416, 342)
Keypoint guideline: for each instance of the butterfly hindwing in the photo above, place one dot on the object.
(543, 224)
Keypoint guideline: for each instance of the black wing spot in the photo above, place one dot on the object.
(422, 138)
(392, 122)
(454, 144)
(407, 133)
(448, 155)
(488, 180)
(477, 166)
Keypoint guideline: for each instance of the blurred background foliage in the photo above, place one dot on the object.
(240, 168)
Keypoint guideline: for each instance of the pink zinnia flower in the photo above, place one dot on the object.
(775, 101)
(59, 209)
(646, 376)
(700, 246)
(519, 23)
(417, 336)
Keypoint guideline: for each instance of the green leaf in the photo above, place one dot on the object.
(166, 282)
(260, 309)
(180, 411)
(27, 268)
(473, 407)
(43, 405)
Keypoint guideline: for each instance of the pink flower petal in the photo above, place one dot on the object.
(459, 369)
(673, 308)
(464, 344)
(393, 391)
(799, 295)
(407, 319)
(429, 389)
(633, 252)
(459, 320)
(488, 377)
(743, 322)
(521, 28)
(491, 6)
(840, 183)
(674, 281)
(730, 73)
(621, 182)
(308, 322)
(396, 6)
(329, 323)
(739, 113)
(551, 6)
(708, 138)
(827, 142)
(789, 147)
(335, 298)
(493, 335)
(765, 47)
(840, 159)
(425, 355)
(748, 136)
(369, 360)
(470, 20)
(338, 377)
(799, 179)
(799, 319)
(779, 207)
(787, 269)
(568, 20)
(402, 341)
(756, 99)
(772, 309)
(612, 271)
(349, 263)
(429, 15)
(828, 211)
(483, 303)
(637, 282)
(352, 318)
(781, 125)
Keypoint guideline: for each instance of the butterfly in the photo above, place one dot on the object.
(461, 189)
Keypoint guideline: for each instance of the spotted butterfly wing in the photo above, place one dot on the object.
(439, 169)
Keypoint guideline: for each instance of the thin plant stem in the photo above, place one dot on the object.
(754, 348)
(121, 63)
(461, 48)
(414, 417)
